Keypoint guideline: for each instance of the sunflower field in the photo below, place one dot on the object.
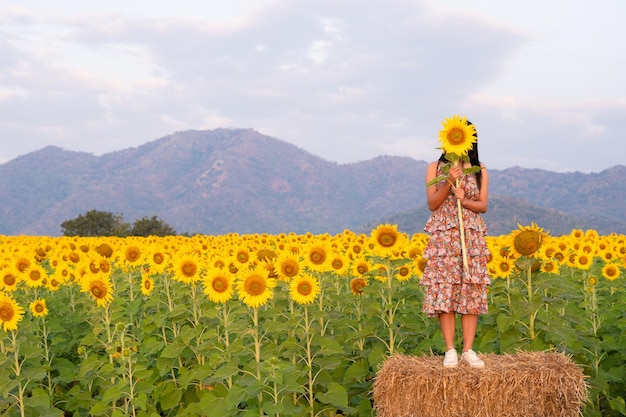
(280, 325)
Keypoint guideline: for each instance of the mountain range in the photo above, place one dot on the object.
(241, 181)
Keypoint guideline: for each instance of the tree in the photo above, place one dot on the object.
(151, 227)
(96, 223)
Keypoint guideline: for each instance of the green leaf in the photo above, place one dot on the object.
(336, 395)
(173, 350)
(356, 372)
(618, 404)
(38, 398)
(170, 396)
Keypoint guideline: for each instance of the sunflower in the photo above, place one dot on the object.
(304, 289)
(157, 259)
(22, 264)
(404, 273)
(611, 272)
(504, 267)
(317, 256)
(39, 308)
(583, 261)
(36, 276)
(186, 267)
(218, 285)
(11, 312)
(338, 263)
(254, 289)
(147, 284)
(386, 239)
(361, 268)
(9, 279)
(457, 135)
(99, 287)
(420, 264)
(132, 256)
(550, 267)
(527, 240)
(357, 285)
(288, 265)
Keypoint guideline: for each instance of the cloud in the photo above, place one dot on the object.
(344, 80)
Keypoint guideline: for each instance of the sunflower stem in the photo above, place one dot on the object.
(46, 349)
(462, 232)
(257, 353)
(532, 314)
(18, 371)
(309, 359)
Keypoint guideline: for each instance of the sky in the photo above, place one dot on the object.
(349, 80)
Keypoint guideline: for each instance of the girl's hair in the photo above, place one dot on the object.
(473, 157)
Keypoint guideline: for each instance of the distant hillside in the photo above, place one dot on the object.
(503, 216)
(238, 180)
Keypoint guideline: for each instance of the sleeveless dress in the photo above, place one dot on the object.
(447, 287)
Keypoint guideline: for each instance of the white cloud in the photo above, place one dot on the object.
(344, 80)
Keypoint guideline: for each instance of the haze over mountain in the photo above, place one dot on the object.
(238, 180)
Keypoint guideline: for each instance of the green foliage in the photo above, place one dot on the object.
(104, 223)
(96, 223)
(151, 227)
(175, 353)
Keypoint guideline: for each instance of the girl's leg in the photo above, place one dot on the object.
(447, 322)
(469, 323)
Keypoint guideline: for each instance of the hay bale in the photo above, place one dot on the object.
(522, 384)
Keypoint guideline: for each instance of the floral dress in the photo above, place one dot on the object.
(447, 287)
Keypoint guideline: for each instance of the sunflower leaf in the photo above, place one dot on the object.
(436, 180)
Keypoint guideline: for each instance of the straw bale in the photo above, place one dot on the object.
(524, 384)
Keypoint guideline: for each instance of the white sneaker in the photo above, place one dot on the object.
(472, 360)
(451, 360)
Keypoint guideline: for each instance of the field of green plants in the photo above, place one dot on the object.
(280, 325)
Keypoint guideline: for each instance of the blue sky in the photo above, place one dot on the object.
(345, 80)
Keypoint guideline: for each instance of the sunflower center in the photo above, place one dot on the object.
(290, 268)
(98, 290)
(34, 275)
(188, 269)
(220, 284)
(22, 265)
(456, 136)
(39, 308)
(147, 284)
(105, 266)
(305, 288)
(9, 280)
(133, 254)
(317, 256)
(357, 285)
(387, 238)
(337, 263)
(255, 285)
(158, 258)
(6, 312)
(527, 242)
(243, 257)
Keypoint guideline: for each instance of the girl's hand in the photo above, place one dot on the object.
(459, 193)
(455, 173)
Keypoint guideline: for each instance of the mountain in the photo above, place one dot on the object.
(238, 180)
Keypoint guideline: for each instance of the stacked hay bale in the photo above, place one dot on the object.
(522, 384)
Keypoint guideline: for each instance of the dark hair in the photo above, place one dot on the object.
(473, 157)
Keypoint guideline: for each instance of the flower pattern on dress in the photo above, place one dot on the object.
(447, 287)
